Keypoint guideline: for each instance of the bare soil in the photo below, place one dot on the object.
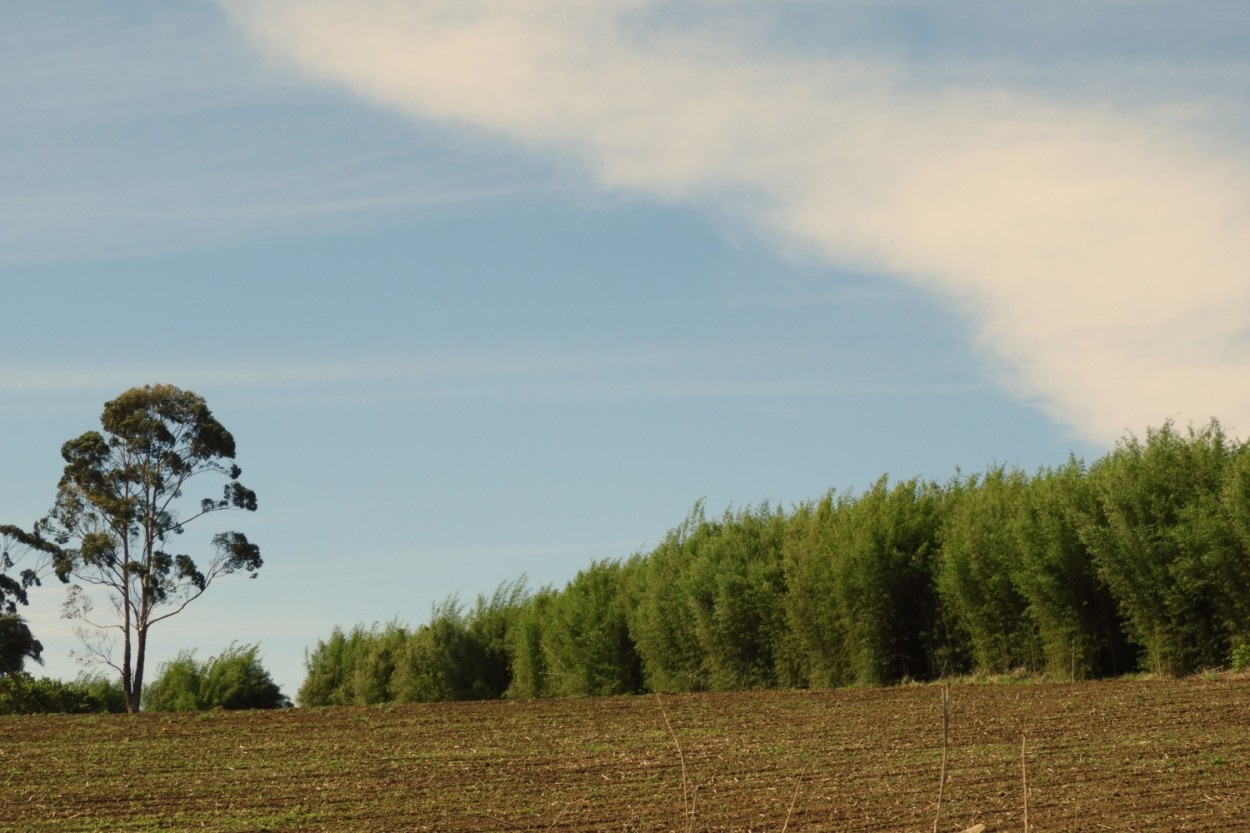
(1120, 755)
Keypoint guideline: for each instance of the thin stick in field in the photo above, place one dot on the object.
(790, 811)
(1024, 777)
(946, 720)
(685, 793)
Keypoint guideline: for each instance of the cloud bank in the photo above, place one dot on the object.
(1101, 256)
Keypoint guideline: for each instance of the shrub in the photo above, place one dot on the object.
(1240, 659)
(234, 680)
(354, 668)
(23, 694)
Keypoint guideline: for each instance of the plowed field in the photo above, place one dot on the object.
(1123, 756)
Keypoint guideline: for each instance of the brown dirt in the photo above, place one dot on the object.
(1123, 755)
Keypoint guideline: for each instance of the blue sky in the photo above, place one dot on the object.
(489, 288)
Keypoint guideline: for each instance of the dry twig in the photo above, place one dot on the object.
(686, 803)
(946, 722)
(790, 812)
(1024, 777)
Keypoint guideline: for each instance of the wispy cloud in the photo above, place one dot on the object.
(52, 379)
(145, 128)
(151, 216)
(1101, 254)
(514, 377)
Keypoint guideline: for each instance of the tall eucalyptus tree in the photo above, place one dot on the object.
(117, 516)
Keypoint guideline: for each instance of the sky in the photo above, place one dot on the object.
(492, 288)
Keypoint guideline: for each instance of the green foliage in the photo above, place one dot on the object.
(1068, 602)
(327, 669)
(15, 544)
(459, 655)
(21, 693)
(815, 622)
(454, 656)
(662, 618)
(442, 660)
(177, 686)
(235, 679)
(353, 668)
(585, 638)
(1079, 572)
(1240, 658)
(489, 625)
(735, 588)
(17, 644)
(883, 582)
(376, 659)
(979, 557)
(1231, 562)
(1161, 541)
(526, 647)
(860, 605)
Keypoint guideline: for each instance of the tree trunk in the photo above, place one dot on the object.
(133, 699)
(132, 693)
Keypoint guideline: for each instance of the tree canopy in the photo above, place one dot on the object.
(17, 643)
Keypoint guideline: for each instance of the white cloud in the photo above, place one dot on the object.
(1103, 257)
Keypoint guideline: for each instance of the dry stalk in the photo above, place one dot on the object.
(560, 815)
(686, 803)
(1024, 777)
(790, 811)
(946, 724)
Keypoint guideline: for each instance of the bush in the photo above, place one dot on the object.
(234, 680)
(1240, 659)
(330, 668)
(585, 636)
(457, 655)
(23, 694)
(354, 668)
(978, 558)
(104, 693)
(439, 660)
(177, 686)
(1163, 544)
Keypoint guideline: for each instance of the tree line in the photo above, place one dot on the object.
(1137, 562)
(1140, 561)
